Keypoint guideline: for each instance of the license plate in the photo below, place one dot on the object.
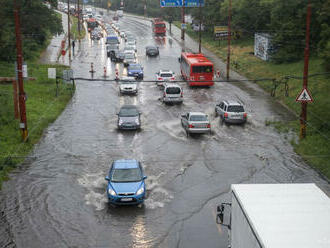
(126, 199)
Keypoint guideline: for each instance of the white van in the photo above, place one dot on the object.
(172, 93)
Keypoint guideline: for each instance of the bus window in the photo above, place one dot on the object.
(202, 69)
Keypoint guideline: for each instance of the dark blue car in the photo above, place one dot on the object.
(135, 70)
(126, 182)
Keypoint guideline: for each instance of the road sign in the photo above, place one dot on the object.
(52, 73)
(179, 3)
(183, 25)
(304, 96)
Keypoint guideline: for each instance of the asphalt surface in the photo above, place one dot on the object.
(57, 198)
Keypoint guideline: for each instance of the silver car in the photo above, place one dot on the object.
(129, 118)
(231, 112)
(195, 122)
(128, 85)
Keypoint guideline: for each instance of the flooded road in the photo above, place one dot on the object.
(58, 197)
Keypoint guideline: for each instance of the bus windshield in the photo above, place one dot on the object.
(161, 25)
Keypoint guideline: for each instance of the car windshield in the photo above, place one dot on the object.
(202, 69)
(235, 108)
(198, 118)
(173, 90)
(126, 175)
(128, 82)
(128, 112)
(166, 75)
(134, 67)
(129, 56)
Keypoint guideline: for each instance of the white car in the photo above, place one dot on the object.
(172, 93)
(128, 85)
(164, 76)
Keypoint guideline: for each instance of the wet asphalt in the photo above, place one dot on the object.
(57, 198)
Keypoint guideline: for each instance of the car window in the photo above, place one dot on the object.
(221, 105)
(166, 75)
(134, 67)
(198, 118)
(128, 112)
(126, 175)
(129, 56)
(235, 108)
(173, 90)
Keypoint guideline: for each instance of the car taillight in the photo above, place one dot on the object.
(181, 94)
(208, 125)
(245, 115)
(191, 126)
(160, 78)
(164, 94)
(172, 78)
(226, 115)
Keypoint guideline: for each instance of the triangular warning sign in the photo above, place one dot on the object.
(304, 96)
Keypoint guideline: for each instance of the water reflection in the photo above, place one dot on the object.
(139, 234)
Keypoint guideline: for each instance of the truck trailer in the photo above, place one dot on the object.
(277, 216)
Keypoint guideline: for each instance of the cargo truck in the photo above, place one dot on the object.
(276, 216)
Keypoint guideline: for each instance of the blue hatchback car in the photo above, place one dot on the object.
(135, 70)
(126, 182)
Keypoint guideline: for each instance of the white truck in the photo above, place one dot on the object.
(277, 216)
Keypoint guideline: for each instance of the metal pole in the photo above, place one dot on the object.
(183, 21)
(303, 116)
(200, 28)
(22, 108)
(69, 34)
(229, 37)
(145, 9)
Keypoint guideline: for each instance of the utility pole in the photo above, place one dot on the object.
(145, 9)
(303, 115)
(22, 108)
(183, 21)
(69, 33)
(229, 38)
(200, 28)
(79, 16)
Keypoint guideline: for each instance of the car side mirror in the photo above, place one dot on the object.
(184, 116)
(145, 177)
(179, 59)
(107, 178)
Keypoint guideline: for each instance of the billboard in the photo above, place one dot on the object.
(221, 33)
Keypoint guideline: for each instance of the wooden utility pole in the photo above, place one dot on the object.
(229, 38)
(200, 28)
(303, 115)
(69, 33)
(183, 20)
(79, 16)
(22, 97)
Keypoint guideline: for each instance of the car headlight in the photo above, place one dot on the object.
(120, 121)
(137, 121)
(140, 191)
(112, 192)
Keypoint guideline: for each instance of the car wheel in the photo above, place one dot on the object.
(187, 133)
(221, 120)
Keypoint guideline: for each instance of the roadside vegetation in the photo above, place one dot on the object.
(74, 29)
(42, 105)
(285, 21)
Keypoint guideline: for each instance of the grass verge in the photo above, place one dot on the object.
(42, 108)
(315, 148)
(74, 29)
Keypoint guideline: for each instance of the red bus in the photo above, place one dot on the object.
(158, 26)
(196, 69)
(91, 24)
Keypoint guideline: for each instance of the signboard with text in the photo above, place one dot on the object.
(179, 3)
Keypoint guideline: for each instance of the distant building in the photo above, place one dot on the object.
(263, 47)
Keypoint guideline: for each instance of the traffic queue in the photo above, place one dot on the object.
(195, 69)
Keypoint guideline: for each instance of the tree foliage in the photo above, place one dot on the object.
(38, 23)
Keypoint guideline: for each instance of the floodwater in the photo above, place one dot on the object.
(58, 197)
